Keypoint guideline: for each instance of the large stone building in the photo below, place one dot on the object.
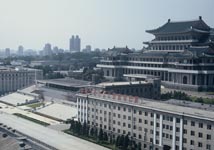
(12, 79)
(181, 54)
(149, 88)
(156, 125)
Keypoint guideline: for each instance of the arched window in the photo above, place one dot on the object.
(185, 80)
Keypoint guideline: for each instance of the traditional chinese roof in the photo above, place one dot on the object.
(182, 27)
(115, 51)
(201, 51)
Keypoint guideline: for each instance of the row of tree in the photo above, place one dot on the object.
(175, 95)
(183, 96)
(122, 142)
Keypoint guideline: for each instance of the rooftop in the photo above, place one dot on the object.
(16, 99)
(182, 26)
(68, 82)
(105, 84)
(59, 111)
(162, 106)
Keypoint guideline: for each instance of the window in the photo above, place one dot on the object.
(200, 135)
(200, 125)
(192, 123)
(192, 133)
(208, 147)
(151, 123)
(208, 137)
(209, 127)
(177, 120)
(192, 142)
(145, 122)
(200, 144)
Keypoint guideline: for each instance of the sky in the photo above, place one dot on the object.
(100, 23)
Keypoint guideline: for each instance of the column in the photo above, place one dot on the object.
(86, 114)
(161, 131)
(78, 108)
(173, 133)
(154, 130)
(83, 112)
(181, 134)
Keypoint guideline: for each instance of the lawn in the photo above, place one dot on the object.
(31, 119)
(35, 105)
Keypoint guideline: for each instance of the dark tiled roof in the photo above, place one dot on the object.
(118, 51)
(183, 26)
(201, 51)
(149, 53)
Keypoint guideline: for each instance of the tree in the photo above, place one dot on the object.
(117, 141)
(72, 124)
(92, 132)
(95, 132)
(101, 135)
(84, 129)
(126, 142)
(121, 141)
(139, 146)
(105, 136)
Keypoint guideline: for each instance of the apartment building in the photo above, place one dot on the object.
(157, 125)
(12, 79)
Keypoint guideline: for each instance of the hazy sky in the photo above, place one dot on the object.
(100, 23)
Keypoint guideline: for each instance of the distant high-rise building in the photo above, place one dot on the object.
(75, 44)
(87, 49)
(47, 49)
(20, 50)
(7, 52)
(55, 50)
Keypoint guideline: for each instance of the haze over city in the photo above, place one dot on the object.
(101, 24)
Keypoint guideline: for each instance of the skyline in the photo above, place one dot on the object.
(100, 24)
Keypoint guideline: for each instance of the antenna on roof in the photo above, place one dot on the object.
(200, 18)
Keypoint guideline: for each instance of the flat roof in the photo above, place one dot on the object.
(16, 98)
(59, 111)
(56, 139)
(162, 106)
(141, 76)
(69, 82)
(105, 84)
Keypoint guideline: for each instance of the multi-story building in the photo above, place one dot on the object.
(182, 55)
(7, 52)
(75, 44)
(12, 79)
(156, 125)
(20, 51)
(149, 88)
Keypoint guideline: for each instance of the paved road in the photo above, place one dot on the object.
(56, 139)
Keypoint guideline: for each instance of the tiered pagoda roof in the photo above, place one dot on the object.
(182, 27)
